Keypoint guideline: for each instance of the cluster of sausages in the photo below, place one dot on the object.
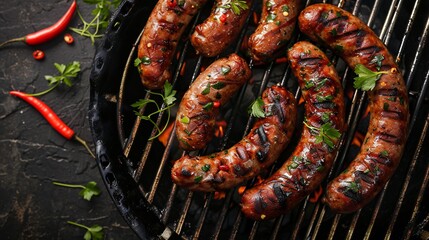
(324, 120)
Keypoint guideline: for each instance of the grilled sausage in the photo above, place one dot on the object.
(196, 117)
(385, 139)
(311, 160)
(277, 23)
(165, 26)
(221, 28)
(246, 159)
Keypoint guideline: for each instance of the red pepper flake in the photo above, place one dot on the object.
(222, 18)
(216, 104)
(38, 55)
(68, 38)
(172, 3)
(224, 168)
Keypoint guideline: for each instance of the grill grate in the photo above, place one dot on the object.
(404, 29)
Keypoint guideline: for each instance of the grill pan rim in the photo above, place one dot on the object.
(115, 165)
(142, 217)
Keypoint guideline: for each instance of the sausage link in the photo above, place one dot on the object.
(277, 23)
(221, 28)
(196, 117)
(164, 28)
(385, 139)
(311, 160)
(246, 159)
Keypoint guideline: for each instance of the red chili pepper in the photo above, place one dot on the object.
(38, 55)
(51, 117)
(68, 38)
(48, 33)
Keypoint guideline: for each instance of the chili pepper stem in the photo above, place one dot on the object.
(21, 39)
(81, 141)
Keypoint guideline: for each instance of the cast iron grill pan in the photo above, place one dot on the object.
(137, 172)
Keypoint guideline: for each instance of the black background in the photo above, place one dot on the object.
(32, 154)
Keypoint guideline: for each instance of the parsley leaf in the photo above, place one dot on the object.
(101, 14)
(377, 60)
(236, 6)
(95, 232)
(257, 108)
(168, 97)
(88, 191)
(325, 133)
(169, 94)
(366, 78)
(66, 74)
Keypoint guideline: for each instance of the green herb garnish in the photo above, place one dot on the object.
(185, 120)
(377, 60)
(208, 106)
(257, 108)
(66, 74)
(206, 167)
(88, 191)
(144, 60)
(325, 133)
(206, 90)
(271, 17)
(218, 85)
(236, 6)
(198, 179)
(225, 70)
(95, 232)
(168, 98)
(101, 15)
(366, 78)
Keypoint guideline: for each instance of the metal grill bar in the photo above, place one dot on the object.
(319, 213)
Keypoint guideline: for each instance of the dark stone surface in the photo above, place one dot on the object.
(32, 154)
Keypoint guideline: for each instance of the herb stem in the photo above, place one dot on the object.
(68, 185)
(78, 225)
(45, 91)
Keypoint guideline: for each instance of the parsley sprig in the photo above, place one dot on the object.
(257, 108)
(65, 76)
(325, 133)
(95, 232)
(168, 97)
(366, 78)
(236, 6)
(88, 191)
(100, 20)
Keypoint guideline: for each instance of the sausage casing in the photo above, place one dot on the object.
(199, 107)
(385, 139)
(246, 159)
(163, 30)
(311, 160)
(221, 28)
(277, 23)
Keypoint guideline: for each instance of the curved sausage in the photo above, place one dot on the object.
(165, 26)
(385, 139)
(311, 160)
(277, 23)
(221, 28)
(196, 117)
(246, 159)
